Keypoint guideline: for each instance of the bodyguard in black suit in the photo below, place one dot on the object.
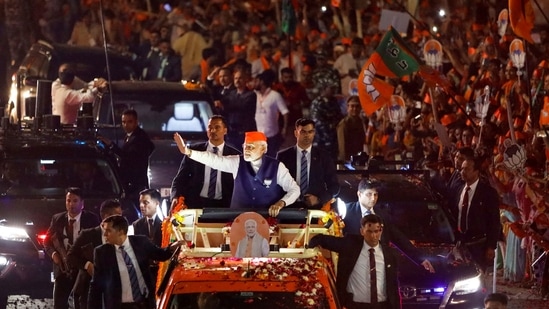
(63, 230)
(475, 208)
(80, 255)
(321, 184)
(448, 188)
(220, 91)
(193, 179)
(134, 155)
(149, 224)
(166, 66)
(367, 199)
(356, 270)
(129, 255)
(239, 110)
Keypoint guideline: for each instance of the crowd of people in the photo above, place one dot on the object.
(310, 75)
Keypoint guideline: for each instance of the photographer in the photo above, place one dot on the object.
(68, 93)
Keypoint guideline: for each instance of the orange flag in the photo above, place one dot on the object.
(373, 92)
(521, 16)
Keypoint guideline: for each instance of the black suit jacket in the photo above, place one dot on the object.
(141, 227)
(239, 111)
(322, 173)
(190, 178)
(134, 160)
(59, 223)
(217, 91)
(82, 250)
(106, 287)
(81, 253)
(483, 215)
(391, 234)
(170, 73)
(349, 248)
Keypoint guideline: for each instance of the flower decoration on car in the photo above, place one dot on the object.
(273, 226)
(332, 219)
(310, 291)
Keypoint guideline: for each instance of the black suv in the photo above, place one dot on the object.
(37, 167)
(42, 63)
(163, 108)
(423, 217)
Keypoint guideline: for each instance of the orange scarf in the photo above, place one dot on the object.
(204, 70)
(265, 63)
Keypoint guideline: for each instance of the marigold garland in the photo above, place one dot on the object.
(332, 219)
(167, 231)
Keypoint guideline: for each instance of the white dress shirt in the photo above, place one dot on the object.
(127, 296)
(75, 229)
(229, 164)
(472, 189)
(359, 280)
(207, 172)
(298, 154)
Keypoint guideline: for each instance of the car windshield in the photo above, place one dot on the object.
(50, 177)
(181, 116)
(242, 300)
(422, 222)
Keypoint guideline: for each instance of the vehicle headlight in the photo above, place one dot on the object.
(468, 286)
(13, 234)
(3, 261)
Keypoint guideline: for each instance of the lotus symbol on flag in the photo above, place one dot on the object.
(514, 157)
(369, 75)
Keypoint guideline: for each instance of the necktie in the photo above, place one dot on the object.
(136, 290)
(213, 179)
(464, 209)
(151, 228)
(373, 277)
(304, 180)
(163, 63)
(70, 230)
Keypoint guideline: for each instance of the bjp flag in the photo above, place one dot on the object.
(373, 93)
(521, 16)
(393, 57)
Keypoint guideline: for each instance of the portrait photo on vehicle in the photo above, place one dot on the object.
(249, 236)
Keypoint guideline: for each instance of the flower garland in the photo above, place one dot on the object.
(167, 232)
(332, 219)
(310, 292)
